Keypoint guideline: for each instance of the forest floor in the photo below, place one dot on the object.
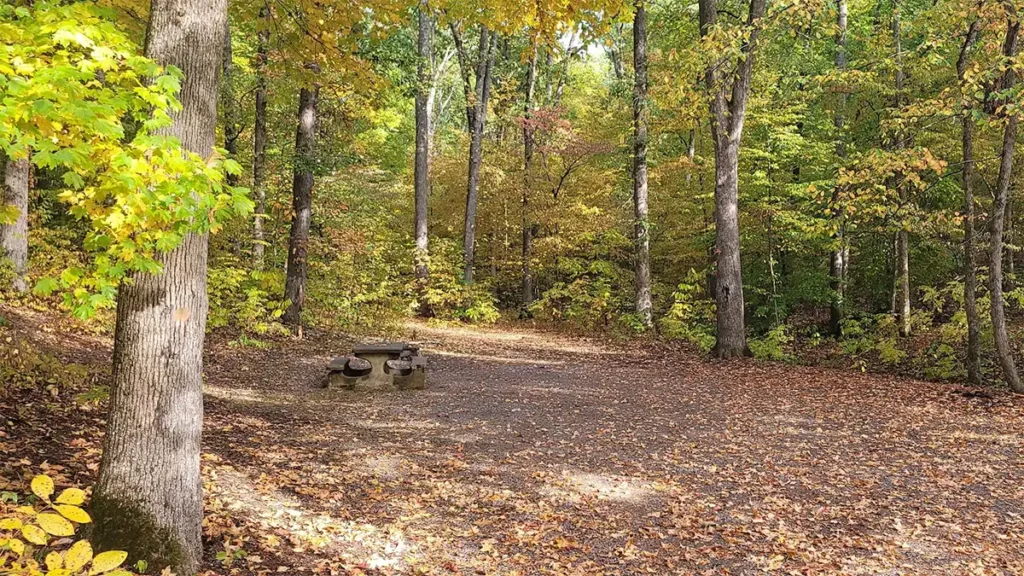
(534, 454)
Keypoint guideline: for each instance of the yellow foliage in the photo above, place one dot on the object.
(34, 534)
(55, 525)
(72, 496)
(78, 555)
(42, 486)
(73, 513)
(107, 561)
(35, 524)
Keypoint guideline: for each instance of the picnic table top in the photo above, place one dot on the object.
(383, 348)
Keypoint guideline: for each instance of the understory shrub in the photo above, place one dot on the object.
(445, 294)
(249, 300)
(692, 315)
(590, 294)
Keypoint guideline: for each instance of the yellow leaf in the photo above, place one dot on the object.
(72, 496)
(73, 513)
(107, 561)
(54, 524)
(53, 561)
(59, 572)
(78, 555)
(10, 524)
(16, 546)
(28, 510)
(42, 486)
(34, 534)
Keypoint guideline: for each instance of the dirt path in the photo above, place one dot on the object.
(531, 454)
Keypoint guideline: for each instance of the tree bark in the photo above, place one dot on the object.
(728, 111)
(837, 260)
(422, 161)
(902, 235)
(148, 498)
(967, 181)
(259, 161)
(229, 104)
(14, 236)
(302, 206)
(641, 224)
(485, 63)
(528, 227)
(1004, 348)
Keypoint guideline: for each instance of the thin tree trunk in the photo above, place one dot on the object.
(902, 236)
(1010, 246)
(422, 161)
(837, 261)
(641, 224)
(531, 83)
(483, 87)
(14, 236)
(967, 181)
(995, 281)
(259, 161)
(302, 206)
(615, 52)
(433, 110)
(728, 110)
(148, 498)
(229, 104)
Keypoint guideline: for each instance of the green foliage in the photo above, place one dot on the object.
(247, 299)
(773, 345)
(79, 98)
(692, 315)
(448, 298)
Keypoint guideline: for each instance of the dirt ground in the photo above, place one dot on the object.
(536, 454)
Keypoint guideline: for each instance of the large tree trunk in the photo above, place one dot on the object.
(148, 498)
(485, 63)
(422, 162)
(229, 104)
(302, 206)
(259, 160)
(837, 260)
(995, 280)
(526, 296)
(14, 236)
(731, 339)
(641, 224)
(967, 181)
(902, 235)
(729, 94)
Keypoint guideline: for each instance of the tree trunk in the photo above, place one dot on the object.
(728, 102)
(902, 236)
(731, 339)
(229, 104)
(995, 280)
(259, 160)
(641, 224)
(483, 87)
(302, 206)
(967, 181)
(14, 236)
(148, 498)
(531, 83)
(615, 52)
(837, 261)
(422, 161)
